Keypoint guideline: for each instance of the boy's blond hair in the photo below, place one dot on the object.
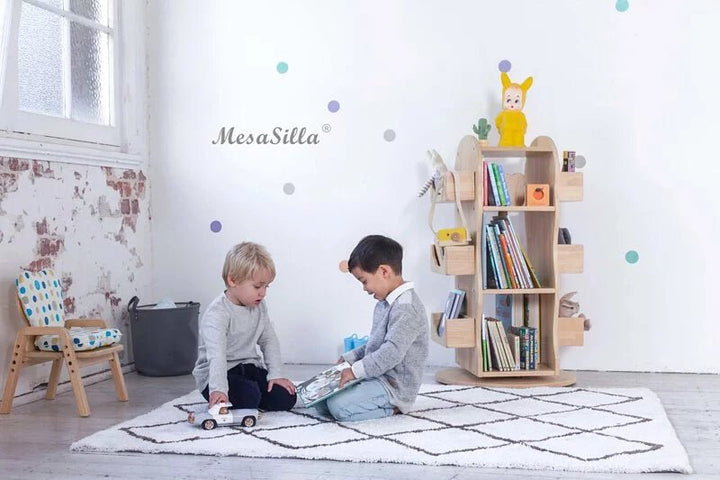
(244, 260)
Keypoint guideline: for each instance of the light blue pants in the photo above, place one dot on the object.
(365, 400)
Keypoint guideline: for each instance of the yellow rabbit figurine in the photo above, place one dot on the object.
(511, 123)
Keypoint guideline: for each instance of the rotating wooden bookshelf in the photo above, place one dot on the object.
(536, 164)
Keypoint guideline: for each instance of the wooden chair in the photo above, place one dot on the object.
(50, 338)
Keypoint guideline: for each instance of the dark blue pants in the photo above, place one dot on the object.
(247, 388)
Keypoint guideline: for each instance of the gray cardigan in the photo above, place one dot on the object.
(229, 335)
(397, 348)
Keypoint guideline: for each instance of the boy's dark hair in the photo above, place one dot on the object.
(375, 250)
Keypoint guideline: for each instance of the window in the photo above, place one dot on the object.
(62, 69)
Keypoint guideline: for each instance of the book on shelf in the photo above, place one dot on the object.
(459, 296)
(497, 353)
(514, 341)
(493, 196)
(323, 385)
(531, 317)
(527, 345)
(453, 306)
(503, 182)
(498, 182)
(445, 314)
(507, 257)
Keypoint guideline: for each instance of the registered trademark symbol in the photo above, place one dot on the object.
(326, 128)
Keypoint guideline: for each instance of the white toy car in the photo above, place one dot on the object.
(221, 414)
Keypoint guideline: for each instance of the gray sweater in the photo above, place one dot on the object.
(397, 348)
(229, 335)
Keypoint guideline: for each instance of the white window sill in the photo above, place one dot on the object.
(47, 149)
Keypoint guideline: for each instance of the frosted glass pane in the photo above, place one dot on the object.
(40, 72)
(53, 3)
(89, 71)
(96, 10)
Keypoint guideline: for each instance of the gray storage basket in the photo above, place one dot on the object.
(165, 340)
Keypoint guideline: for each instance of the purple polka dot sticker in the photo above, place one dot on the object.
(215, 226)
(505, 66)
(622, 5)
(333, 106)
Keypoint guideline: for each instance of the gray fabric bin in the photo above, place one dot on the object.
(164, 340)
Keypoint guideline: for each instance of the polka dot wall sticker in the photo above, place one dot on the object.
(215, 226)
(333, 106)
(289, 188)
(504, 66)
(622, 5)
(580, 161)
(282, 67)
(389, 135)
(632, 256)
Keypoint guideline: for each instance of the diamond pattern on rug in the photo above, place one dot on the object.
(523, 430)
(574, 429)
(593, 446)
(458, 416)
(449, 440)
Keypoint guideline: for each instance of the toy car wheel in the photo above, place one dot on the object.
(209, 424)
(249, 421)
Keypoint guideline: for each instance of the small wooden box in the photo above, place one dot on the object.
(466, 186)
(459, 332)
(570, 258)
(537, 195)
(571, 331)
(453, 260)
(570, 187)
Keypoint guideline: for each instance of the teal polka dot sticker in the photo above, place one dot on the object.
(632, 256)
(622, 5)
(282, 67)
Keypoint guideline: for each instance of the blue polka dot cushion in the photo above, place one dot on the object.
(40, 295)
(83, 338)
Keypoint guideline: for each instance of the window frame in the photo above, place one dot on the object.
(44, 137)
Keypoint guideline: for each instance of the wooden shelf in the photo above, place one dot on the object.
(460, 376)
(487, 208)
(505, 291)
(501, 152)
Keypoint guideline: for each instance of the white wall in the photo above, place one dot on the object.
(633, 92)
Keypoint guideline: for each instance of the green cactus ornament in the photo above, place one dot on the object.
(482, 128)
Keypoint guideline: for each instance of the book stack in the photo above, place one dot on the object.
(495, 189)
(507, 263)
(508, 350)
(453, 305)
(510, 339)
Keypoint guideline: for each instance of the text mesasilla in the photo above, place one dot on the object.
(279, 135)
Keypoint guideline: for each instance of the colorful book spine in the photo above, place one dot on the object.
(493, 185)
(497, 255)
(503, 182)
(498, 182)
(485, 183)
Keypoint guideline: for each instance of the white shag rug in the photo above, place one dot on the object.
(575, 429)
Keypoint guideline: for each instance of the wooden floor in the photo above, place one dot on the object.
(35, 438)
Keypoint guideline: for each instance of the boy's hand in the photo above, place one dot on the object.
(346, 375)
(217, 397)
(283, 382)
(340, 360)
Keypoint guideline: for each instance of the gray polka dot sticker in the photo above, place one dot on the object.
(580, 161)
(289, 188)
(389, 135)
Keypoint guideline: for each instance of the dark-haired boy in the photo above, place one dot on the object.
(391, 363)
